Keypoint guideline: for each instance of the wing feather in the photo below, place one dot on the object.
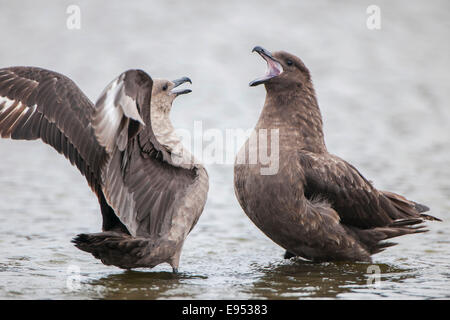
(116, 109)
(108, 142)
(40, 104)
(351, 195)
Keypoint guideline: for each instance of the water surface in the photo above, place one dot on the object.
(384, 97)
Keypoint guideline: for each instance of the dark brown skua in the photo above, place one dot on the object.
(316, 206)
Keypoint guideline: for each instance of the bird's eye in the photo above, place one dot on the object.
(289, 62)
(165, 87)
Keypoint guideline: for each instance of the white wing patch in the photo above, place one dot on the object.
(127, 104)
(11, 113)
(111, 117)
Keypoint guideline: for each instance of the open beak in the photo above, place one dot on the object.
(179, 82)
(274, 68)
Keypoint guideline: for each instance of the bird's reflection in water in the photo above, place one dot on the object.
(296, 279)
(134, 285)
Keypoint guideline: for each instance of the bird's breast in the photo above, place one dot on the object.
(266, 197)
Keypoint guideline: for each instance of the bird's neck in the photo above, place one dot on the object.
(297, 116)
(163, 130)
(166, 135)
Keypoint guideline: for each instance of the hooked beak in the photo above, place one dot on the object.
(179, 82)
(274, 67)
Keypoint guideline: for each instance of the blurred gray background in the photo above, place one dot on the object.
(383, 95)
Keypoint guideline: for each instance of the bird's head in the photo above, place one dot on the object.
(284, 71)
(165, 91)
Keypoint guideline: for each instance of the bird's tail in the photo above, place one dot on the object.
(408, 208)
(374, 239)
(114, 248)
(410, 216)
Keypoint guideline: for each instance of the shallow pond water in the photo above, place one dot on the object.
(384, 97)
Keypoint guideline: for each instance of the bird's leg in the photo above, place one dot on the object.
(288, 255)
(175, 260)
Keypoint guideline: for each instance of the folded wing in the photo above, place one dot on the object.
(353, 197)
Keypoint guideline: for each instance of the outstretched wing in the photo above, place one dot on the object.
(117, 118)
(141, 183)
(40, 104)
(353, 197)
